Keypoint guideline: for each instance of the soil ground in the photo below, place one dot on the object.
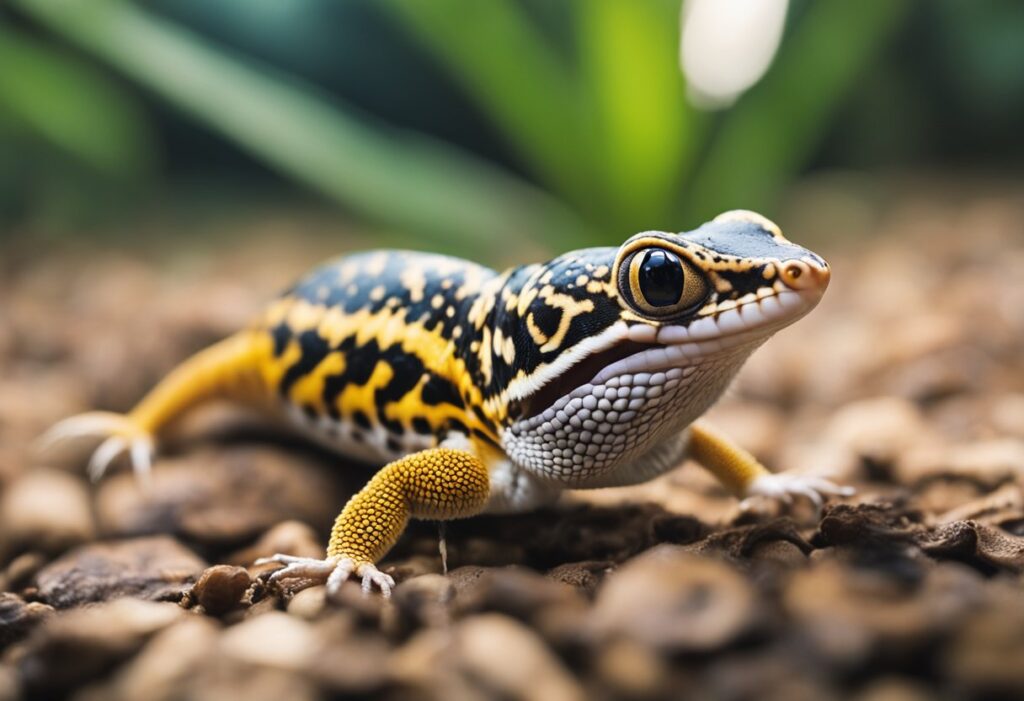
(907, 382)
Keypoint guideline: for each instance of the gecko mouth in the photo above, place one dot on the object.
(673, 346)
(578, 375)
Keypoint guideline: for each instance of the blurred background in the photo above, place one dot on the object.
(167, 165)
(461, 125)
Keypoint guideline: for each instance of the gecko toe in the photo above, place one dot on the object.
(371, 575)
(308, 568)
(784, 486)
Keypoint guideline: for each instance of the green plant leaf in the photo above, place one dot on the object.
(507, 67)
(641, 126)
(769, 134)
(388, 176)
(71, 106)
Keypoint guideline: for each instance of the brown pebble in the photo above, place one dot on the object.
(220, 588)
(425, 600)
(895, 689)
(877, 430)
(18, 617)
(167, 665)
(780, 552)
(628, 669)
(156, 568)
(21, 570)
(1008, 415)
(425, 664)
(988, 462)
(221, 496)
(509, 658)
(273, 639)
(45, 510)
(849, 612)
(10, 688)
(309, 603)
(669, 598)
(988, 653)
(584, 576)
(75, 646)
(352, 665)
(288, 537)
(517, 592)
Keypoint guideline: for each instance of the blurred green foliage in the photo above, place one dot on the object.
(586, 95)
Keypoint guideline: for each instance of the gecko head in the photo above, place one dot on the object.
(657, 341)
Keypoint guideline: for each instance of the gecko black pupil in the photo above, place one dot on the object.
(661, 278)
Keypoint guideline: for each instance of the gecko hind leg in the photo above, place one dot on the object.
(228, 369)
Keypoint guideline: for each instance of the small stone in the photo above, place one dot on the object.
(425, 599)
(630, 670)
(849, 611)
(220, 588)
(780, 552)
(425, 664)
(308, 603)
(969, 541)
(895, 689)
(17, 617)
(75, 646)
(273, 639)
(169, 661)
(1008, 415)
(509, 658)
(156, 568)
(22, 569)
(988, 462)
(288, 537)
(987, 655)
(352, 665)
(584, 576)
(221, 497)
(1005, 504)
(45, 510)
(878, 431)
(10, 688)
(516, 592)
(669, 598)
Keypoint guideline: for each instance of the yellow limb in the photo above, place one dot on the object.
(439, 483)
(730, 464)
(228, 369)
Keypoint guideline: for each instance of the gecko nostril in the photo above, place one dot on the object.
(801, 275)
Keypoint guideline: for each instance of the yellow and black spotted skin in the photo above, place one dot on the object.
(479, 390)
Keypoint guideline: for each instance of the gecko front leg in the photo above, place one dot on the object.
(439, 484)
(745, 477)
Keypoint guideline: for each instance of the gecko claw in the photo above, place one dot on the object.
(332, 571)
(784, 486)
(371, 575)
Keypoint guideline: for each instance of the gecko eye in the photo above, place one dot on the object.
(659, 283)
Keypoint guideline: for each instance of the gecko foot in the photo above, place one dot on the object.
(119, 435)
(784, 486)
(334, 571)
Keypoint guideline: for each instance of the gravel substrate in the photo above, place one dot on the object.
(907, 382)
